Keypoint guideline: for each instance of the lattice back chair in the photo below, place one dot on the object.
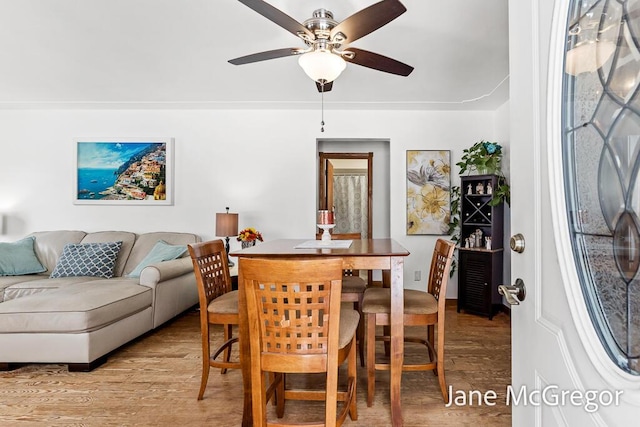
(353, 287)
(420, 309)
(296, 325)
(218, 305)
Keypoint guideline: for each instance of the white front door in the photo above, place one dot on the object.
(561, 374)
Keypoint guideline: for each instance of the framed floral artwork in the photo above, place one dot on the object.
(428, 191)
(123, 171)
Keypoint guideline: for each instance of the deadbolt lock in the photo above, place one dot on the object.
(517, 243)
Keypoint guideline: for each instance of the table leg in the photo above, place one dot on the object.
(245, 351)
(397, 338)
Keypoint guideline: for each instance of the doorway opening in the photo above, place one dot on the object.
(345, 187)
(379, 198)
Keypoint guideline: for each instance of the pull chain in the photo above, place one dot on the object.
(322, 114)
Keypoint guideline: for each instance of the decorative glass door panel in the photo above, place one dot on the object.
(601, 149)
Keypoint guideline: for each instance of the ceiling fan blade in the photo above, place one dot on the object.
(324, 88)
(377, 62)
(368, 20)
(263, 56)
(277, 16)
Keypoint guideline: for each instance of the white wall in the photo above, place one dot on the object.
(262, 164)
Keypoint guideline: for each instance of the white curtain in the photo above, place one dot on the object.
(350, 200)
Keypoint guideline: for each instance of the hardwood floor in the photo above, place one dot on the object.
(154, 381)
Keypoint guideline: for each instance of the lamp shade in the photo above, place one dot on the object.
(322, 65)
(226, 224)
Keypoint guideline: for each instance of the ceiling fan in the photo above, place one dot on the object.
(328, 41)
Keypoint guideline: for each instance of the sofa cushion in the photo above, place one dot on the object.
(87, 259)
(77, 308)
(19, 258)
(49, 245)
(6, 281)
(127, 238)
(162, 251)
(145, 242)
(42, 284)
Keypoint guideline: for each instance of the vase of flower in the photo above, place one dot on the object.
(248, 237)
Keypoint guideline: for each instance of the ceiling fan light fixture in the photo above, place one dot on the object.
(322, 65)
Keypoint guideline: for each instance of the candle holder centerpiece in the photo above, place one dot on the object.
(326, 222)
(326, 236)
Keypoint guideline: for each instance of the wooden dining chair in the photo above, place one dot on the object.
(353, 287)
(420, 309)
(296, 325)
(218, 305)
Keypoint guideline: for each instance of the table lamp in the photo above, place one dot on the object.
(226, 226)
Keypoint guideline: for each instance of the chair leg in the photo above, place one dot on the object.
(280, 401)
(360, 331)
(275, 391)
(228, 333)
(206, 355)
(431, 340)
(371, 358)
(440, 366)
(386, 331)
(331, 399)
(271, 376)
(352, 373)
(258, 397)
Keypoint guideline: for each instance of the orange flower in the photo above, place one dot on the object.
(249, 235)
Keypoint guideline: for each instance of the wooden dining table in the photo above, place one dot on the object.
(366, 254)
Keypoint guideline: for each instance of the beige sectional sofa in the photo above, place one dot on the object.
(78, 320)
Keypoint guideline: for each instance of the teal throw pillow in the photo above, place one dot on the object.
(162, 251)
(87, 259)
(19, 258)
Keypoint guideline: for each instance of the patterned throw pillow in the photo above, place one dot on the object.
(87, 259)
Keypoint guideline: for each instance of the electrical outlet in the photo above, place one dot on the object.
(416, 275)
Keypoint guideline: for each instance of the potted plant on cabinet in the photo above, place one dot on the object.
(481, 158)
(485, 157)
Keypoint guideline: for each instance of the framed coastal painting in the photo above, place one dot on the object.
(428, 191)
(123, 171)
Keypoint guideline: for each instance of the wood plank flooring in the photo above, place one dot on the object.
(154, 381)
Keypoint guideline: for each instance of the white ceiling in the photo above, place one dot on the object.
(173, 54)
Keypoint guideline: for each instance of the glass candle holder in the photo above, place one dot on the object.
(325, 217)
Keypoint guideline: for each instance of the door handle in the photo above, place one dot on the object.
(514, 294)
